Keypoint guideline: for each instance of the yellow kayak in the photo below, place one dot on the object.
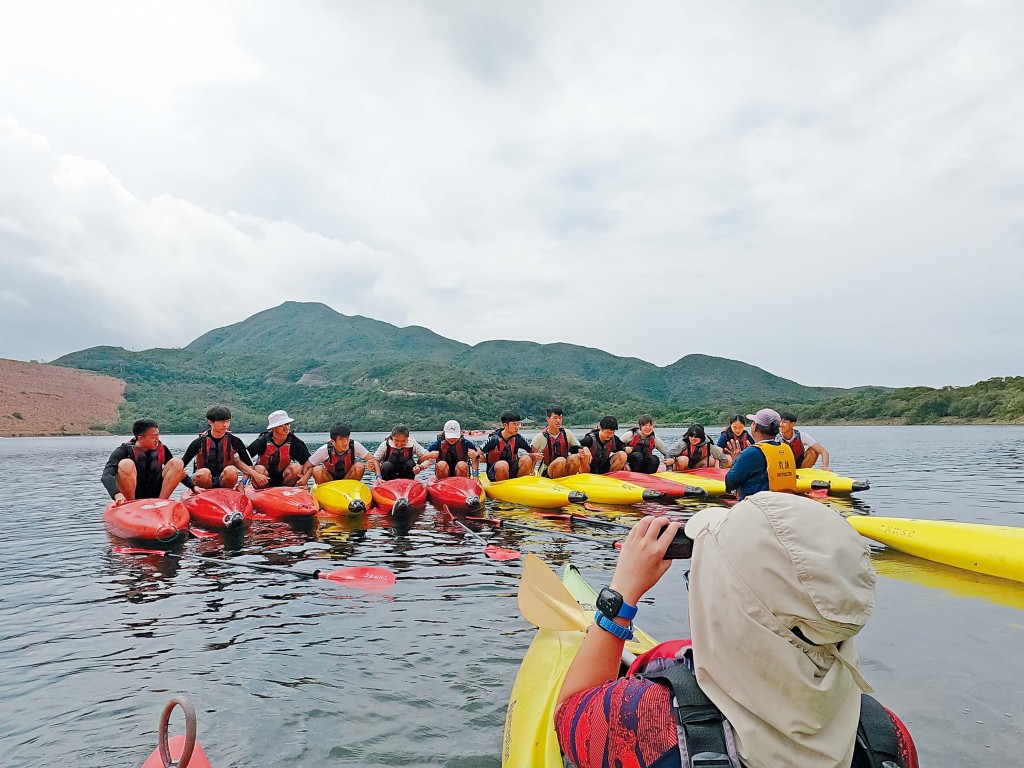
(820, 478)
(997, 550)
(343, 497)
(608, 490)
(530, 740)
(712, 485)
(532, 491)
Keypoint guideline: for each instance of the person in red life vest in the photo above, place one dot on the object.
(400, 456)
(219, 455)
(143, 468)
(506, 452)
(735, 436)
(605, 451)
(641, 442)
(806, 449)
(453, 453)
(559, 449)
(771, 677)
(341, 459)
(695, 451)
(279, 454)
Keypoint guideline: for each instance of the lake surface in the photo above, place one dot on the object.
(297, 673)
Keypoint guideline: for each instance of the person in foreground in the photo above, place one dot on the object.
(279, 453)
(340, 459)
(219, 455)
(778, 588)
(143, 468)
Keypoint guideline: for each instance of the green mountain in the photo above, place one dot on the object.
(324, 367)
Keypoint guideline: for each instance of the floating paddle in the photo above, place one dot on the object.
(503, 523)
(595, 521)
(544, 600)
(492, 551)
(364, 576)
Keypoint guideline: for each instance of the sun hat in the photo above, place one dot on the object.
(278, 418)
(452, 428)
(765, 417)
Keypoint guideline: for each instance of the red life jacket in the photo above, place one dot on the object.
(698, 454)
(599, 450)
(338, 464)
(402, 455)
(214, 456)
(444, 453)
(148, 462)
(504, 451)
(643, 446)
(556, 447)
(276, 458)
(797, 444)
(744, 440)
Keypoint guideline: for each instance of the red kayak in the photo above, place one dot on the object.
(456, 492)
(399, 496)
(671, 489)
(181, 751)
(219, 509)
(282, 502)
(163, 520)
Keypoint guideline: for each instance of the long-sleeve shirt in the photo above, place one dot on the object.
(749, 473)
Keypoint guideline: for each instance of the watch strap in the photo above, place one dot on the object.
(621, 632)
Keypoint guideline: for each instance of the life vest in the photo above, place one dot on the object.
(696, 455)
(599, 450)
(276, 458)
(882, 738)
(781, 466)
(643, 446)
(148, 463)
(444, 453)
(401, 455)
(556, 447)
(796, 445)
(338, 464)
(213, 455)
(744, 440)
(505, 450)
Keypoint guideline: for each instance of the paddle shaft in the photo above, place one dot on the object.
(238, 564)
(473, 534)
(549, 532)
(595, 521)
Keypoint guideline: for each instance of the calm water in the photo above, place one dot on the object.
(291, 672)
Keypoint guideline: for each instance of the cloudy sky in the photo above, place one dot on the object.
(833, 191)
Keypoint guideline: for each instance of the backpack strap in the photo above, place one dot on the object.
(876, 735)
(705, 736)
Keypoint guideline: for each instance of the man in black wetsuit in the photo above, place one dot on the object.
(143, 467)
(219, 455)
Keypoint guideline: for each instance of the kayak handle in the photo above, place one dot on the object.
(190, 732)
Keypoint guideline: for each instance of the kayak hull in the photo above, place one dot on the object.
(218, 509)
(159, 520)
(282, 502)
(996, 550)
(398, 496)
(711, 480)
(830, 481)
(602, 489)
(343, 497)
(672, 490)
(464, 493)
(533, 491)
(176, 744)
(530, 740)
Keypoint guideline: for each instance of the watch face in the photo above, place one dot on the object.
(609, 602)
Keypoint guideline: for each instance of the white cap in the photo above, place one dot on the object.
(278, 418)
(452, 429)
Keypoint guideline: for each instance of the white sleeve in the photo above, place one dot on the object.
(319, 456)
(379, 453)
(418, 450)
(807, 439)
(660, 445)
(360, 449)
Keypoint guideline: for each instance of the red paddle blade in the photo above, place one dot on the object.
(199, 533)
(500, 553)
(558, 515)
(592, 507)
(364, 577)
(488, 520)
(137, 551)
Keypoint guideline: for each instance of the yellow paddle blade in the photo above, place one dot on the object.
(544, 601)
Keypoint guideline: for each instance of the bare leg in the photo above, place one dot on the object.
(500, 470)
(810, 457)
(682, 463)
(127, 478)
(525, 466)
(203, 478)
(462, 469)
(321, 475)
(618, 461)
(292, 473)
(441, 470)
(355, 472)
(572, 465)
(584, 459)
(229, 477)
(558, 468)
(173, 473)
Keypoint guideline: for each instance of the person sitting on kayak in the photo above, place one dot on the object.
(143, 468)
(341, 459)
(400, 456)
(641, 442)
(764, 466)
(736, 433)
(695, 451)
(770, 677)
(453, 453)
(279, 454)
(806, 449)
(219, 455)
(502, 450)
(607, 453)
(559, 448)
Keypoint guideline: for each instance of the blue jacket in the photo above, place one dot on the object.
(749, 473)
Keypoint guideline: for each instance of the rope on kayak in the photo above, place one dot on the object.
(190, 732)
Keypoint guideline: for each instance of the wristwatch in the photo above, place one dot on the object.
(621, 632)
(610, 603)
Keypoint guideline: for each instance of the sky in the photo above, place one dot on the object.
(832, 191)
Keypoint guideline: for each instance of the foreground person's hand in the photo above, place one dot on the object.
(641, 560)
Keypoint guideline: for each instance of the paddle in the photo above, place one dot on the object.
(492, 551)
(364, 576)
(595, 521)
(503, 523)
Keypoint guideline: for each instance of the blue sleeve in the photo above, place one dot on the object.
(491, 444)
(745, 467)
(434, 446)
(470, 445)
(723, 440)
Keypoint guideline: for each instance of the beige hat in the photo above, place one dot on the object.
(779, 585)
(278, 418)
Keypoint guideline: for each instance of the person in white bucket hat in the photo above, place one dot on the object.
(279, 454)
(779, 585)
